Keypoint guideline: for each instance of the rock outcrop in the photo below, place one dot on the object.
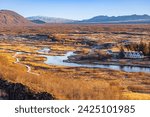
(17, 91)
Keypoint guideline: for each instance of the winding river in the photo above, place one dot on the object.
(59, 60)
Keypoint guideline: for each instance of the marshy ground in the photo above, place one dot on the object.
(72, 82)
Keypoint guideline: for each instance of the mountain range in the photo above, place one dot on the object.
(118, 19)
(128, 19)
(11, 18)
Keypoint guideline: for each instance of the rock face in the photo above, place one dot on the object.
(10, 18)
(17, 91)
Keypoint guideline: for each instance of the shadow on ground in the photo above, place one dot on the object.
(17, 91)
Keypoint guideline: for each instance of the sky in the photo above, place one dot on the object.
(76, 9)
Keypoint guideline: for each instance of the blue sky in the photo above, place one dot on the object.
(76, 9)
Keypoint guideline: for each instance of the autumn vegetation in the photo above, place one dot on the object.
(143, 47)
(73, 82)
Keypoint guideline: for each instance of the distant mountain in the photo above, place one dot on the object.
(128, 19)
(118, 19)
(11, 18)
(38, 21)
(50, 19)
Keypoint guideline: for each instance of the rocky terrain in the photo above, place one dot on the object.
(17, 91)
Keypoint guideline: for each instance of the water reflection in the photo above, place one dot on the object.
(59, 60)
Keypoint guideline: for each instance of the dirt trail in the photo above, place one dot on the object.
(27, 66)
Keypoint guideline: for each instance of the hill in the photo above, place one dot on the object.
(38, 21)
(11, 18)
(50, 19)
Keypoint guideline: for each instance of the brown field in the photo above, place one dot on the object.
(73, 82)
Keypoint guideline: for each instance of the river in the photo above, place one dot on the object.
(59, 60)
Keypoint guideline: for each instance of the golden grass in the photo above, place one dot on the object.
(136, 96)
(18, 47)
(61, 87)
(71, 82)
(59, 47)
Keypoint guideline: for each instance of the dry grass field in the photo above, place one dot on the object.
(73, 82)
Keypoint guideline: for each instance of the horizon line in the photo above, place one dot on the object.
(72, 18)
